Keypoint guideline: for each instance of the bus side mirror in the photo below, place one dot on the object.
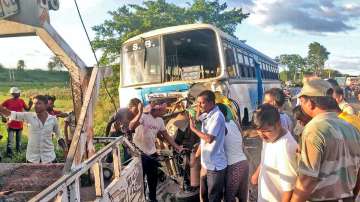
(54, 5)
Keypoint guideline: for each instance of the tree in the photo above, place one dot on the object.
(212, 12)
(284, 75)
(20, 65)
(330, 73)
(294, 63)
(55, 64)
(317, 56)
(131, 20)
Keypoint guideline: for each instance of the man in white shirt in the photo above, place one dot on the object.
(338, 95)
(276, 174)
(40, 148)
(276, 98)
(148, 126)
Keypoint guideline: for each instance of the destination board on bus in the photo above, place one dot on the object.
(8, 8)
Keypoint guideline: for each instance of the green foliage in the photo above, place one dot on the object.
(295, 64)
(36, 76)
(317, 56)
(55, 64)
(212, 12)
(284, 75)
(20, 65)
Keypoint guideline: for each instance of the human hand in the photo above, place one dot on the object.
(198, 108)
(191, 123)
(254, 179)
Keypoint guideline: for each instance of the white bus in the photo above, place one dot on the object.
(171, 60)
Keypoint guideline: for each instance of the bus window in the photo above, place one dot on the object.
(240, 64)
(240, 58)
(141, 62)
(247, 63)
(191, 55)
(252, 67)
(230, 62)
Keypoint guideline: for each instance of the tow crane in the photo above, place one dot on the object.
(31, 18)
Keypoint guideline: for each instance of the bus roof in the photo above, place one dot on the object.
(180, 28)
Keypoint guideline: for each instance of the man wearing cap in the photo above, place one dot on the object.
(15, 127)
(148, 126)
(330, 156)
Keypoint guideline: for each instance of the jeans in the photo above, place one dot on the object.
(10, 141)
(212, 186)
(150, 169)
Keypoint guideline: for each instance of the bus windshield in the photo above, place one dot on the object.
(191, 55)
(141, 62)
(188, 55)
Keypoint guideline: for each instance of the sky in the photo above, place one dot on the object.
(274, 27)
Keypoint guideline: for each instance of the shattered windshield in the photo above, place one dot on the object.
(141, 62)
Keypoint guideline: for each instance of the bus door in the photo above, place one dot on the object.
(260, 89)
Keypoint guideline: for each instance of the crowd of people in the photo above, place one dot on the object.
(42, 124)
(311, 154)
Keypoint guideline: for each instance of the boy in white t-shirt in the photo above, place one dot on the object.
(276, 174)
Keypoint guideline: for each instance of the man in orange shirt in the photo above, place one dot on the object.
(15, 127)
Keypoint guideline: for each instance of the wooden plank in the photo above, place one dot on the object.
(116, 161)
(99, 179)
(74, 147)
(75, 65)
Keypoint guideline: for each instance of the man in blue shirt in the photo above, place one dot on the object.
(212, 136)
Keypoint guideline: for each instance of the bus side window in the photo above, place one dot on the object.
(241, 66)
(247, 63)
(230, 62)
(252, 68)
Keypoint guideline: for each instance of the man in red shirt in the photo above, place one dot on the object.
(15, 127)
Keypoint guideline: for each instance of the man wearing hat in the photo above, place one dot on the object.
(330, 156)
(148, 126)
(15, 103)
